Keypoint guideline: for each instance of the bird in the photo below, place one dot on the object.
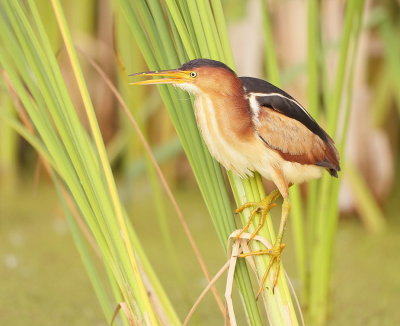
(250, 125)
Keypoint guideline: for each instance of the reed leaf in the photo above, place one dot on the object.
(325, 217)
(78, 160)
(388, 31)
(8, 143)
(195, 24)
(314, 220)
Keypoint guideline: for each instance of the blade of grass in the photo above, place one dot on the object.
(72, 154)
(296, 213)
(144, 302)
(8, 145)
(252, 188)
(271, 59)
(326, 218)
(371, 214)
(164, 183)
(392, 51)
(212, 187)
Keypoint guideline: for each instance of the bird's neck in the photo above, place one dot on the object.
(230, 112)
(226, 127)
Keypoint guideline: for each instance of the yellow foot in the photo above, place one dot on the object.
(275, 258)
(263, 207)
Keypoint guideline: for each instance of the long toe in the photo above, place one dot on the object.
(262, 208)
(275, 253)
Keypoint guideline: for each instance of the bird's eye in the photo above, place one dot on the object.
(193, 74)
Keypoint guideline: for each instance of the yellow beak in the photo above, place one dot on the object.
(178, 77)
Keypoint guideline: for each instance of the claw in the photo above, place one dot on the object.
(263, 207)
(272, 205)
(244, 206)
(276, 250)
(275, 254)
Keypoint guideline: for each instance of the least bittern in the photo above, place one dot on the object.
(251, 125)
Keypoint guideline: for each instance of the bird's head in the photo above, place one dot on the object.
(196, 76)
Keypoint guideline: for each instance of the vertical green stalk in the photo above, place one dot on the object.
(392, 52)
(8, 145)
(194, 19)
(270, 55)
(78, 161)
(313, 60)
(313, 92)
(296, 213)
(144, 304)
(206, 170)
(251, 190)
(327, 212)
(372, 216)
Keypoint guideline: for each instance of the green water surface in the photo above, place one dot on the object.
(43, 281)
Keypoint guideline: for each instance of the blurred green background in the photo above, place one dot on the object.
(43, 281)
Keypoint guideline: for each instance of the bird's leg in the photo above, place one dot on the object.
(263, 207)
(276, 250)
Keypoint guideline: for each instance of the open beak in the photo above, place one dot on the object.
(176, 77)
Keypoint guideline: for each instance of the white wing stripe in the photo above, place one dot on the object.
(280, 95)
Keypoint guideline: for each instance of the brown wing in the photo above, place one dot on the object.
(294, 141)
